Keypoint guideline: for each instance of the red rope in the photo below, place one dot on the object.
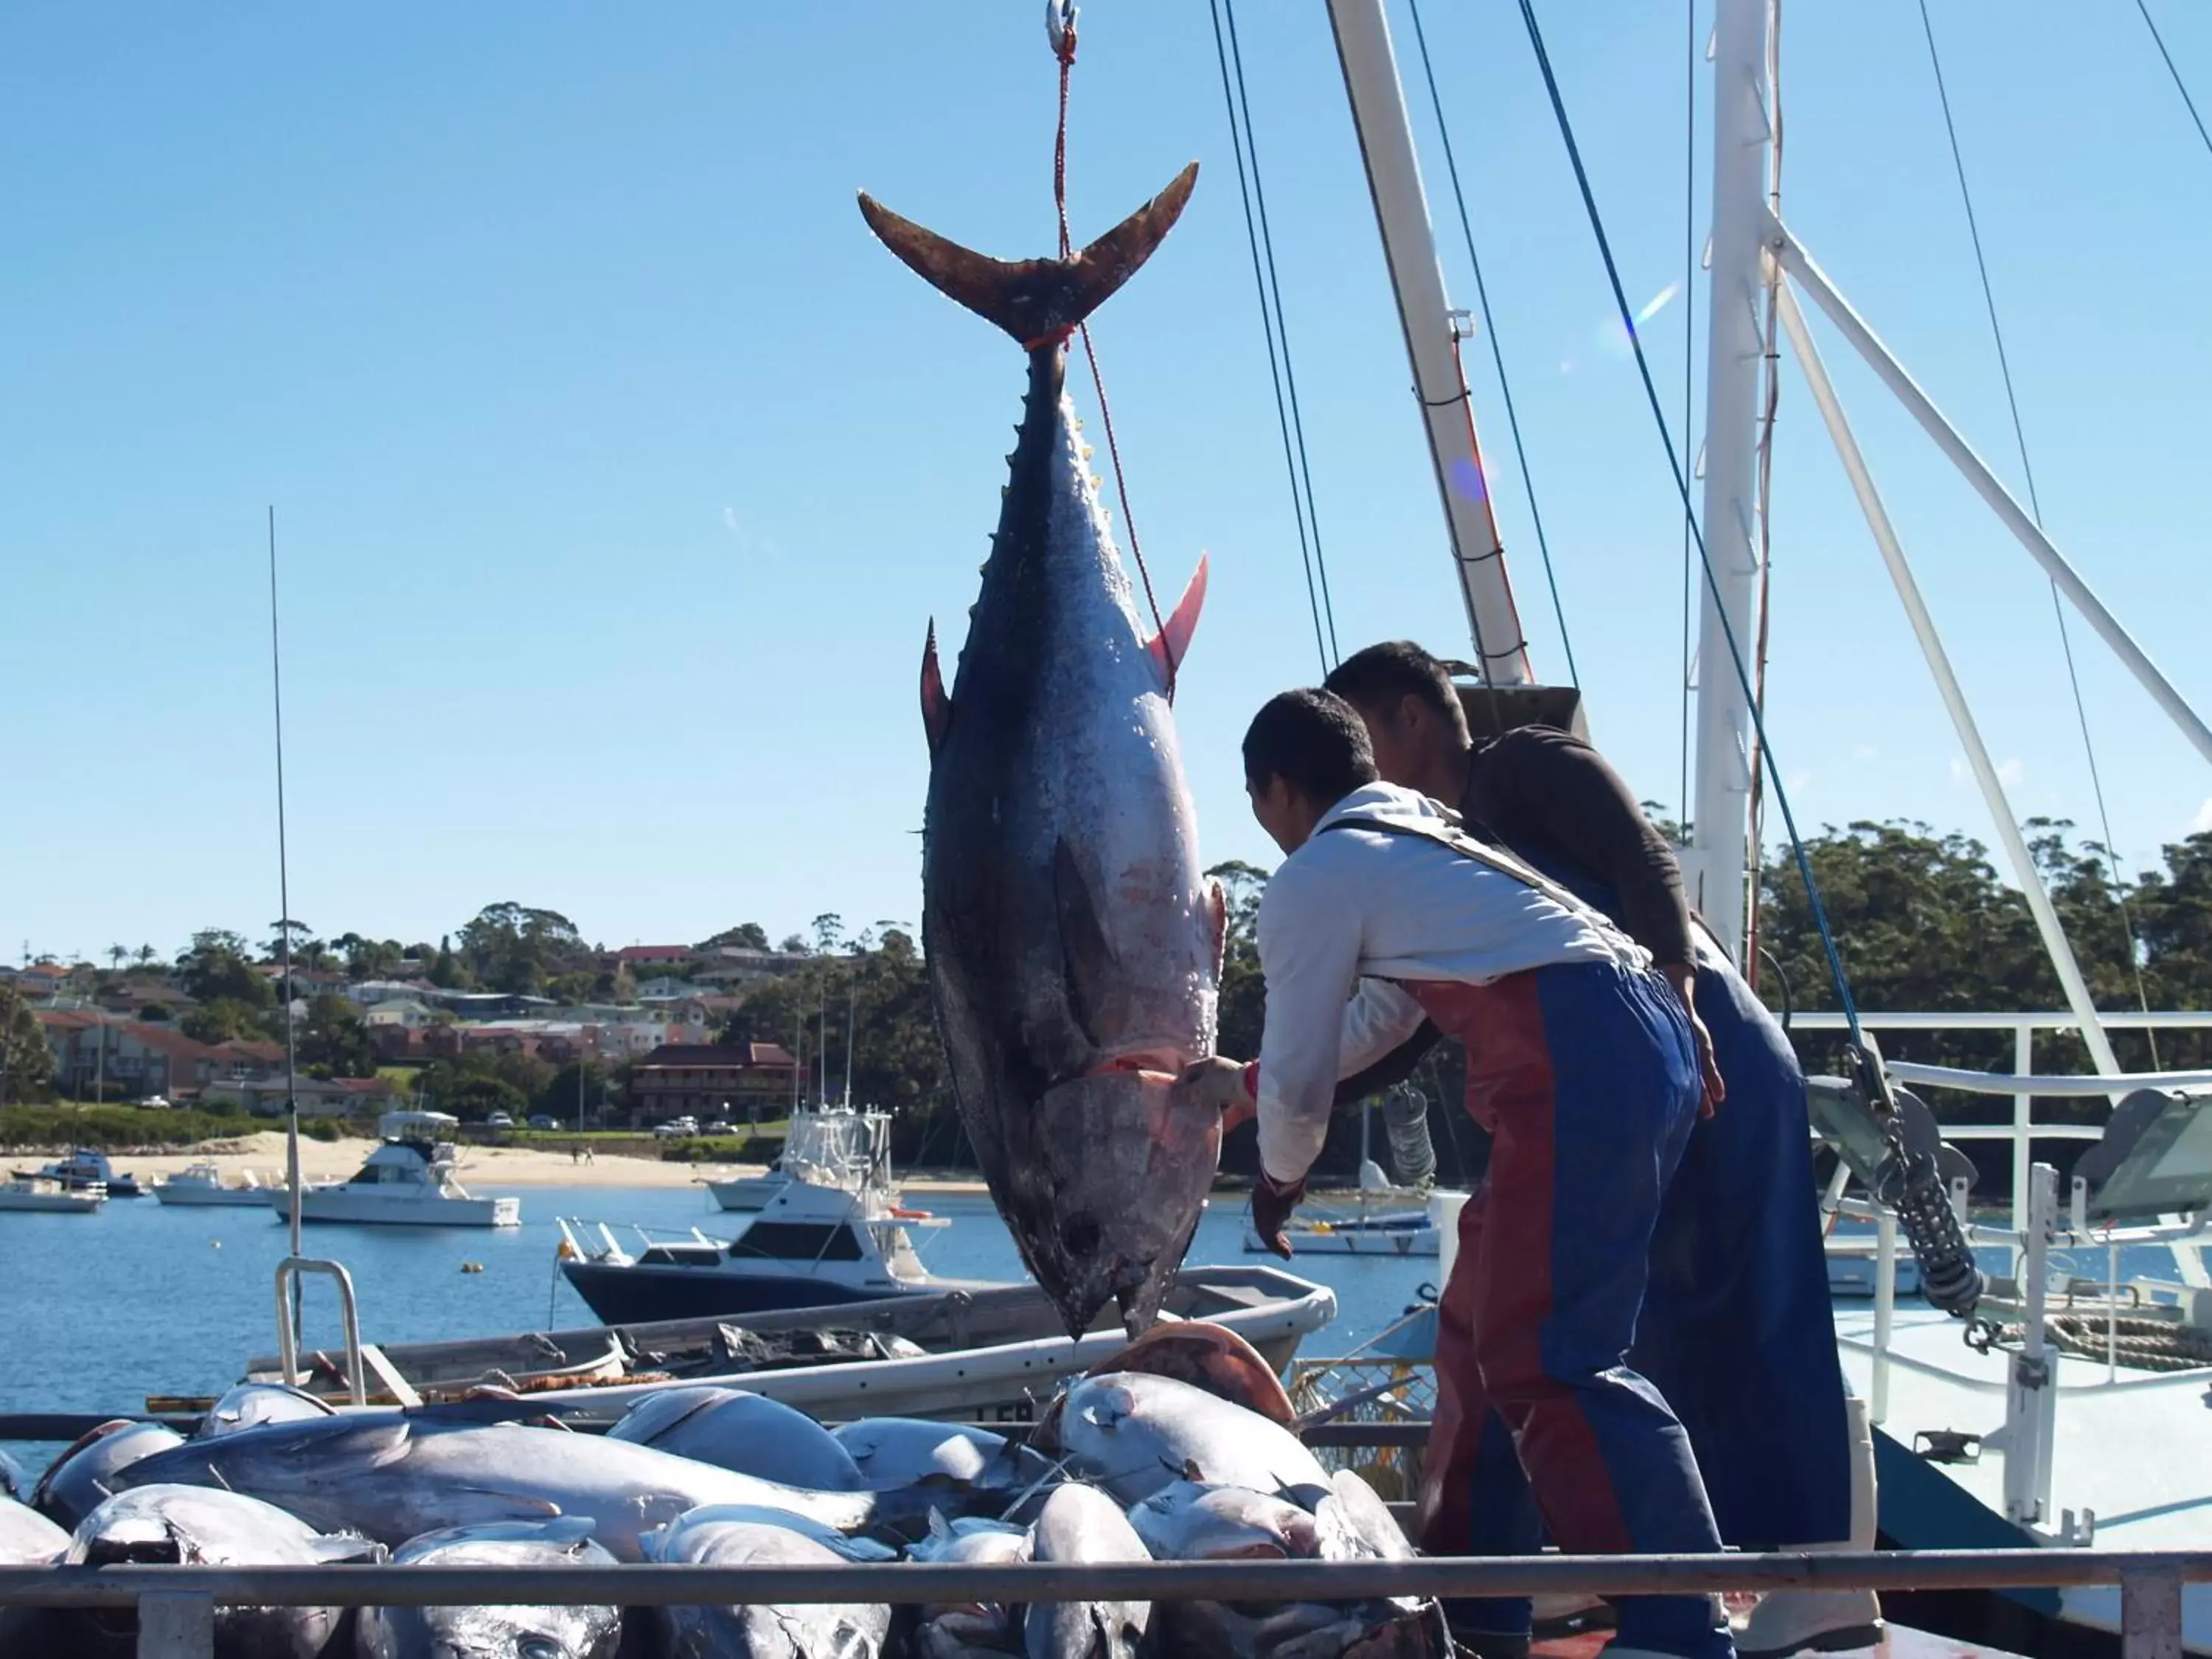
(1064, 51)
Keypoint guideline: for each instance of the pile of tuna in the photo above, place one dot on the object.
(1187, 1453)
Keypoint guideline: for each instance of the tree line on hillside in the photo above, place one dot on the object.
(1922, 922)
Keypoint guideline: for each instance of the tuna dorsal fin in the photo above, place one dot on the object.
(936, 707)
(1038, 301)
(1172, 643)
(1083, 941)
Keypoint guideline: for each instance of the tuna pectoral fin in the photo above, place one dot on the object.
(1038, 301)
(1172, 643)
(1083, 942)
(936, 707)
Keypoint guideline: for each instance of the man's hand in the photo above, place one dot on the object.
(1272, 1201)
(1684, 979)
(1220, 1084)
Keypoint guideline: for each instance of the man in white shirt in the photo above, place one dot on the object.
(1581, 1066)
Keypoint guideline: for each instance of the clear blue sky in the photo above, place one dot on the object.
(618, 470)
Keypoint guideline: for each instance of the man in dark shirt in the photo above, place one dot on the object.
(1737, 1330)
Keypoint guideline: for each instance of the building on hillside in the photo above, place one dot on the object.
(42, 979)
(133, 1059)
(739, 965)
(487, 1005)
(708, 1080)
(368, 993)
(409, 1013)
(667, 988)
(131, 995)
(637, 957)
(337, 1097)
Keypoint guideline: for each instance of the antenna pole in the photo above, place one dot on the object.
(284, 924)
(852, 1003)
(1721, 854)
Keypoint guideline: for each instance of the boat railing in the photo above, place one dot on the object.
(288, 1338)
(175, 1605)
(2023, 1084)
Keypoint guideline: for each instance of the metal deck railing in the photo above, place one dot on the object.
(176, 1605)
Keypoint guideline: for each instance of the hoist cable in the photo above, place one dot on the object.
(2035, 510)
(1275, 323)
(1819, 911)
(1497, 351)
(2159, 40)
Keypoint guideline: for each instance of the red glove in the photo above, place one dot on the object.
(1272, 1201)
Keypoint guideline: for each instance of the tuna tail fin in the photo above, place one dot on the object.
(1038, 301)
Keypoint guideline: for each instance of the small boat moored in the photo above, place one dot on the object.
(827, 1229)
(87, 1168)
(201, 1183)
(29, 1192)
(408, 1180)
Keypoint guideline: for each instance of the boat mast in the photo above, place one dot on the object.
(1401, 209)
(1722, 855)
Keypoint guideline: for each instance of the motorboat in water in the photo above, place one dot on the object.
(810, 1246)
(1382, 1219)
(829, 1147)
(30, 1192)
(995, 1353)
(87, 1167)
(408, 1181)
(201, 1183)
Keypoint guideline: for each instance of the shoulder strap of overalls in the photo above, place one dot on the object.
(1480, 852)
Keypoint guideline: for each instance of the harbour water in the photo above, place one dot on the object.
(97, 1312)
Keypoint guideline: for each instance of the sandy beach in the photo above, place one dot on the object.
(485, 1168)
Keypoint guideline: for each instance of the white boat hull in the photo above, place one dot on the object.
(168, 1192)
(52, 1203)
(370, 1209)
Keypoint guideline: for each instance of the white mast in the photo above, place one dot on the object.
(1393, 177)
(1722, 856)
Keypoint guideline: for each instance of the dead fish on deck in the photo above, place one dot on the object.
(897, 1453)
(734, 1429)
(89, 1472)
(1073, 944)
(953, 1630)
(1081, 1523)
(495, 1632)
(1210, 1357)
(249, 1405)
(393, 1478)
(1300, 1630)
(1133, 1433)
(833, 1630)
(28, 1538)
(1184, 1521)
(192, 1525)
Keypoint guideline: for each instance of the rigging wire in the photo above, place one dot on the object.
(1497, 351)
(1689, 357)
(2186, 100)
(2035, 508)
(1261, 238)
(1765, 751)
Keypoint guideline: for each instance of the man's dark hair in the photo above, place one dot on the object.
(1313, 737)
(1382, 674)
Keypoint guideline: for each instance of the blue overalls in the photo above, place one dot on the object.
(1737, 1329)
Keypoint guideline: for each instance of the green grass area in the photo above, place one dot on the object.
(110, 1126)
(400, 1077)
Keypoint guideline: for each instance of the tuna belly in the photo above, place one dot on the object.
(1127, 1173)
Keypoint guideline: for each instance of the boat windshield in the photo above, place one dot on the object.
(798, 1241)
(848, 1149)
